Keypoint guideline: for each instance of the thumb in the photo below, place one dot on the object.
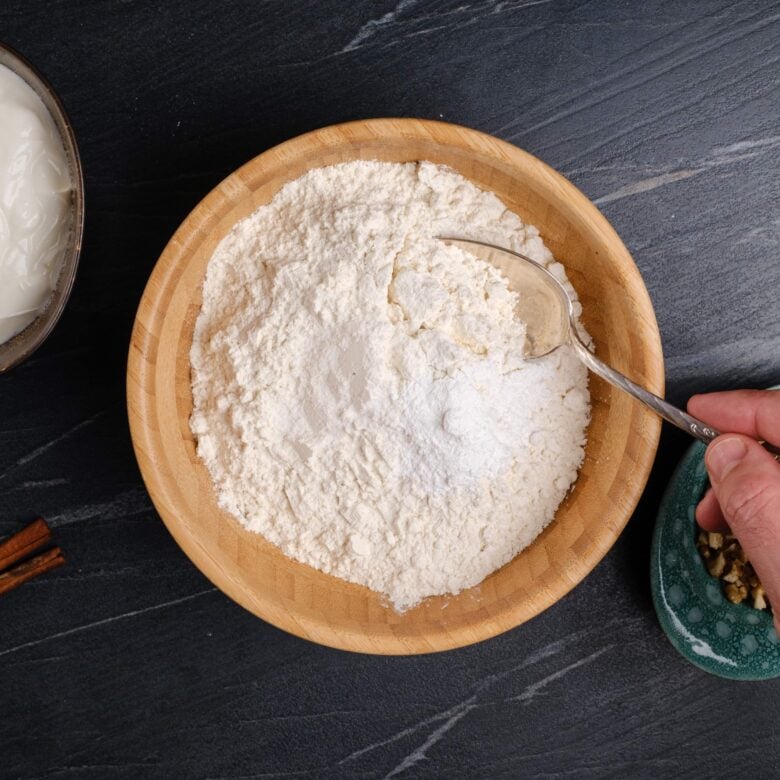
(746, 482)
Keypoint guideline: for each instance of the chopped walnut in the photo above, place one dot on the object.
(715, 566)
(725, 559)
(759, 597)
(736, 593)
(735, 573)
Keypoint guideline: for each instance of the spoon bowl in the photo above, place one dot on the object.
(543, 304)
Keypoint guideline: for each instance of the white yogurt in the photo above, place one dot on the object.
(35, 204)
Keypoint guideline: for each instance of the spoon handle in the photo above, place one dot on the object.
(672, 414)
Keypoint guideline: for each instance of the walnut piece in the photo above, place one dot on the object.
(715, 566)
(736, 593)
(759, 597)
(725, 559)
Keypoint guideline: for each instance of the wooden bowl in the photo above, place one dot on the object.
(622, 436)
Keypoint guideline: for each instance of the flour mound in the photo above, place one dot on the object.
(360, 395)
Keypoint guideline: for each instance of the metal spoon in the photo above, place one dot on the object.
(547, 311)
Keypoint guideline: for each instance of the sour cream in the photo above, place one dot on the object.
(35, 204)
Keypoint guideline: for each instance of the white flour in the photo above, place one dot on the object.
(360, 396)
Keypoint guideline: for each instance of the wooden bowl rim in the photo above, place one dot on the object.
(317, 628)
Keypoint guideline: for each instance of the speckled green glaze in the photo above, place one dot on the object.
(729, 640)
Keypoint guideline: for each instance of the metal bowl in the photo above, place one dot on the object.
(24, 343)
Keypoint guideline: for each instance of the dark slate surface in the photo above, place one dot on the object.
(127, 663)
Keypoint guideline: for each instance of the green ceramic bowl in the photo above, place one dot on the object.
(730, 640)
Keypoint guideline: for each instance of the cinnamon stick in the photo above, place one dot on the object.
(24, 543)
(44, 562)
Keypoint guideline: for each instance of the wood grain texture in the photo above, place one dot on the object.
(622, 436)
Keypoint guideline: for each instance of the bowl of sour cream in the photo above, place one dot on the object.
(41, 208)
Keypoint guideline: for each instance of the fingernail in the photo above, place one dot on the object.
(724, 455)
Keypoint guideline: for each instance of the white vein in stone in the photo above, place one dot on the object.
(127, 504)
(419, 753)
(106, 621)
(528, 694)
(373, 26)
(453, 715)
(459, 711)
(719, 156)
(38, 451)
(645, 185)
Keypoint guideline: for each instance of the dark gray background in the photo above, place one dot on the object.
(127, 662)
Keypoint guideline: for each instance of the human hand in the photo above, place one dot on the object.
(745, 492)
